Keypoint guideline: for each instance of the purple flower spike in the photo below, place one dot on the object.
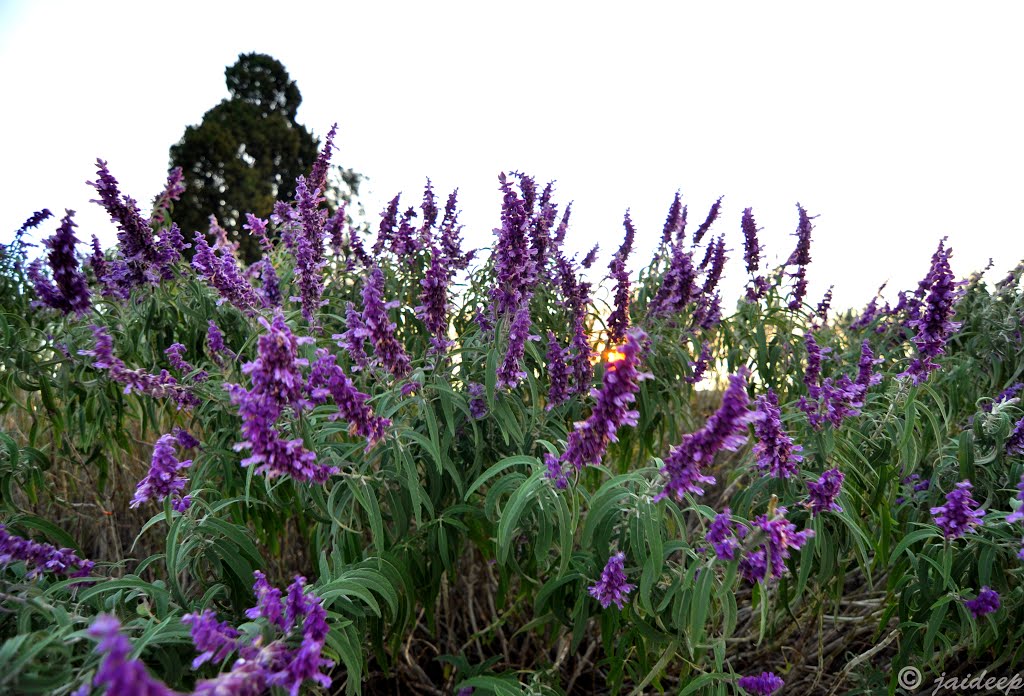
(327, 378)
(776, 454)
(40, 558)
(726, 429)
(934, 325)
(724, 535)
(379, 327)
(477, 400)
(68, 291)
(558, 373)
(824, 491)
(175, 355)
(214, 639)
(618, 321)
(158, 386)
(139, 259)
(277, 384)
(778, 535)
(764, 684)
(514, 267)
(700, 366)
(612, 588)
(589, 440)
(118, 674)
(511, 372)
(751, 249)
(434, 298)
(219, 268)
(268, 602)
(215, 344)
(164, 478)
(960, 514)
(986, 602)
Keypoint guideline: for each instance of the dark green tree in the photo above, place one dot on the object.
(247, 152)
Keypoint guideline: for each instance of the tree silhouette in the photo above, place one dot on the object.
(246, 153)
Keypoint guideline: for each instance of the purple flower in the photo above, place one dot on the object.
(68, 291)
(268, 602)
(699, 367)
(778, 535)
(751, 249)
(379, 327)
(118, 674)
(138, 262)
(450, 235)
(35, 220)
(678, 284)
(612, 588)
(832, 400)
(287, 661)
(960, 514)
(164, 478)
(1004, 396)
(708, 221)
(726, 429)
(215, 639)
(575, 298)
(158, 386)
(309, 250)
(220, 270)
(776, 454)
(477, 400)
(428, 211)
(258, 228)
(801, 257)
(40, 558)
(826, 303)
(277, 383)
(986, 602)
(334, 230)
(763, 684)
(318, 174)
(175, 355)
(386, 230)
(824, 491)
(514, 266)
(716, 251)
(618, 321)
(589, 440)
(215, 344)
(172, 192)
(433, 309)
(511, 372)
(591, 257)
(934, 326)
(674, 221)
(724, 535)
(354, 338)
(98, 263)
(558, 373)
(184, 439)
(327, 378)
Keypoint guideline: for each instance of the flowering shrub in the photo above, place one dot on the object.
(475, 475)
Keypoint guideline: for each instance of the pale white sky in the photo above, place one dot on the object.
(897, 123)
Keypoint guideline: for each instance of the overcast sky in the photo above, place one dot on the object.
(896, 123)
